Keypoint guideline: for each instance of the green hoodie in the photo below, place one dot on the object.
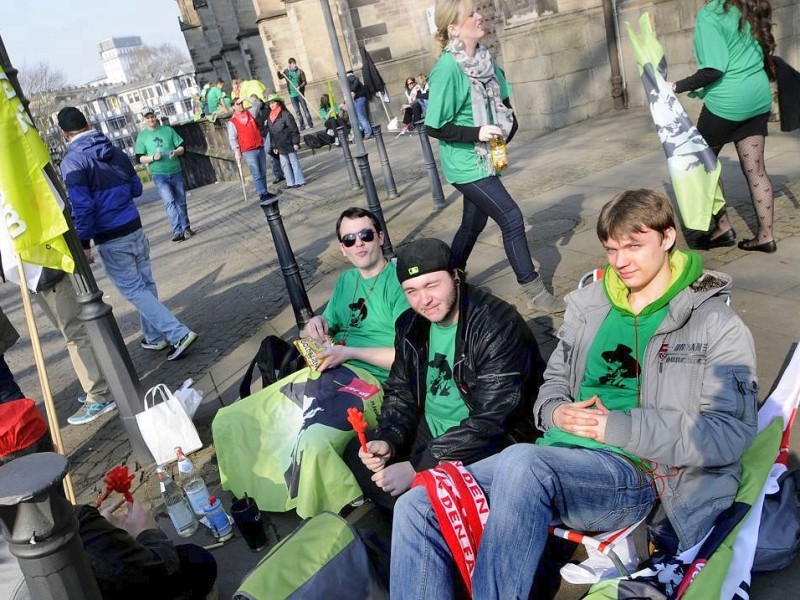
(612, 366)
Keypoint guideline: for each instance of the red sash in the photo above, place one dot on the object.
(461, 508)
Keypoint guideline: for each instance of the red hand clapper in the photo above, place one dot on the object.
(356, 418)
(117, 480)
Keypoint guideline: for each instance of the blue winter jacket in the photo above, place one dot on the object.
(101, 184)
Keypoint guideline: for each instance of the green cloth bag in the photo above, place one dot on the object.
(283, 444)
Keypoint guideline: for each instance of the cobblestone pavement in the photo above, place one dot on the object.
(226, 284)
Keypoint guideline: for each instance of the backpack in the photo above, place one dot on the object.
(779, 532)
(275, 359)
(323, 559)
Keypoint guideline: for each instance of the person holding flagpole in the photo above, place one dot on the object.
(733, 44)
(468, 107)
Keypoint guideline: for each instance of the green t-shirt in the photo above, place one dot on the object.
(163, 139)
(612, 365)
(743, 91)
(449, 101)
(213, 96)
(294, 77)
(363, 312)
(444, 406)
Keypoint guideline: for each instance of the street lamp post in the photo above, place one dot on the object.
(360, 154)
(388, 176)
(101, 327)
(289, 268)
(430, 164)
(341, 134)
(42, 529)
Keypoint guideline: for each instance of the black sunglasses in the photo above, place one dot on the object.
(365, 235)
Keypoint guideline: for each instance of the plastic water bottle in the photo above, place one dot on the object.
(180, 513)
(218, 519)
(499, 156)
(192, 484)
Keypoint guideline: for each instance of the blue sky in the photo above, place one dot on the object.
(66, 33)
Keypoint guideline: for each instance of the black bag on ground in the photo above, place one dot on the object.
(315, 141)
(779, 532)
(275, 359)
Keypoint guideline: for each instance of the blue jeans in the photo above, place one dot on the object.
(529, 487)
(170, 188)
(299, 103)
(362, 115)
(291, 169)
(486, 198)
(127, 263)
(257, 163)
(276, 162)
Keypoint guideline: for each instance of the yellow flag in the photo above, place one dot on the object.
(31, 214)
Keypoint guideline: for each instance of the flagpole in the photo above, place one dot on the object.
(101, 327)
(44, 382)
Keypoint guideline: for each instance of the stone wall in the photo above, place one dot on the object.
(208, 157)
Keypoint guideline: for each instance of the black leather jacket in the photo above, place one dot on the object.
(498, 370)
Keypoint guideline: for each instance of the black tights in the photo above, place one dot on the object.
(751, 160)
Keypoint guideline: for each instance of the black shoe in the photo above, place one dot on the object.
(278, 179)
(751, 246)
(178, 237)
(706, 242)
(268, 199)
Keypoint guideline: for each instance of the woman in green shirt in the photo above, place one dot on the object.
(733, 44)
(467, 107)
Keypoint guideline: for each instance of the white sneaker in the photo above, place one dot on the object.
(182, 346)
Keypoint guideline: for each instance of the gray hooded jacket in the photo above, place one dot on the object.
(699, 396)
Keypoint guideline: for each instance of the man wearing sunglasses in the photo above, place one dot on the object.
(465, 375)
(366, 300)
(244, 135)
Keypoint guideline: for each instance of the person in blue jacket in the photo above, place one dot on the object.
(102, 184)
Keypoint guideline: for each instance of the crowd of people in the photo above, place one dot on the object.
(643, 410)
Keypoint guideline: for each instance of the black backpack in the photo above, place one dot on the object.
(261, 118)
(275, 359)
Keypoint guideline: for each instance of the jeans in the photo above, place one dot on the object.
(486, 198)
(529, 487)
(170, 188)
(9, 390)
(257, 163)
(291, 169)
(276, 162)
(299, 103)
(127, 263)
(363, 116)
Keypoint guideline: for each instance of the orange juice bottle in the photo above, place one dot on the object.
(499, 156)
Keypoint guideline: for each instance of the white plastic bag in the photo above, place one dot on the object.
(189, 397)
(165, 425)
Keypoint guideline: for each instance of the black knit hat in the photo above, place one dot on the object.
(71, 119)
(423, 256)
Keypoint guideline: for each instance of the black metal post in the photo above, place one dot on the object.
(101, 327)
(291, 272)
(341, 134)
(430, 164)
(373, 203)
(41, 529)
(388, 176)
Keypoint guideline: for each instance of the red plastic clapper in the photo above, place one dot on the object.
(356, 418)
(117, 480)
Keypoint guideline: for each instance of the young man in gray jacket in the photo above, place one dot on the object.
(650, 394)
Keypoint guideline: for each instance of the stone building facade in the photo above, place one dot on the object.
(558, 54)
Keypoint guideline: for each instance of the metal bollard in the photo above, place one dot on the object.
(42, 529)
(388, 176)
(341, 134)
(373, 203)
(430, 165)
(291, 272)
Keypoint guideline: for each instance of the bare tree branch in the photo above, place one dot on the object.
(151, 61)
(41, 78)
